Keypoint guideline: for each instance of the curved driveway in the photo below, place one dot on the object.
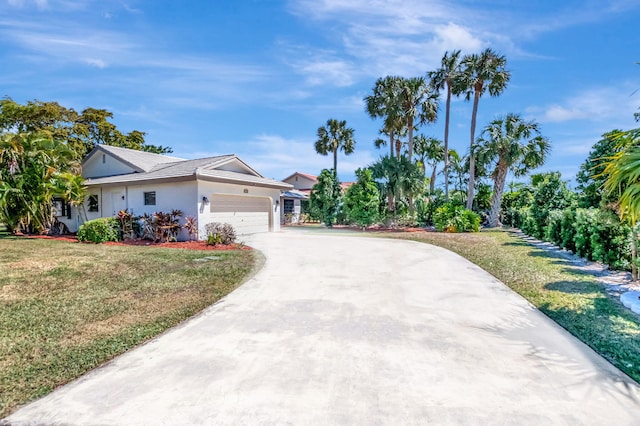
(341, 329)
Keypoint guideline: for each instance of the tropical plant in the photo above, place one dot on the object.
(509, 144)
(33, 170)
(398, 178)
(362, 199)
(325, 198)
(622, 173)
(383, 103)
(334, 136)
(429, 150)
(418, 104)
(480, 73)
(191, 225)
(445, 78)
(452, 217)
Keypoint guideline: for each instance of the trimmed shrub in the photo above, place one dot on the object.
(553, 230)
(100, 230)
(455, 218)
(220, 233)
(568, 230)
(586, 220)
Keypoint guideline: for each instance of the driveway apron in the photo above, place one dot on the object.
(343, 329)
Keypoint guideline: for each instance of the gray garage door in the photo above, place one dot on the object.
(248, 215)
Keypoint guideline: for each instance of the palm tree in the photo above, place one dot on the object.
(402, 180)
(429, 150)
(623, 179)
(480, 72)
(418, 105)
(383, 103)
(444, 78)
(332, 137)
(509, 143)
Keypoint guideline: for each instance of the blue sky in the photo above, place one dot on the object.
(258, 77)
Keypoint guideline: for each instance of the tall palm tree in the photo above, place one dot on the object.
(445, 78)
(509, 144)
(418, 105)
(383, 103)
(429, 150)
(480, 73)
(334, 136)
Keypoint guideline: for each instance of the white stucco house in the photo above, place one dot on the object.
(292, 199)
(214, 189)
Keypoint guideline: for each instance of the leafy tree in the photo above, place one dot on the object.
(550, 193)
(480, 73)
(445, 78)
(590, 177)
(334, 136)
(429, 150)
(81, 132)
(324, 200)
(509, 144)
(362, 199)
(33, 169)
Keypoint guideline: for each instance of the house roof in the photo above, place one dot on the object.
(141, 161)
(306, 175)
(294, 193)
(201, 168)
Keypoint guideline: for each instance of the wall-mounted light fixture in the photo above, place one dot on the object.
(205, 200)
(276, 206)
(123, 197)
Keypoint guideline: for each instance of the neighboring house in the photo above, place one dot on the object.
(292, 200)
(214, 189)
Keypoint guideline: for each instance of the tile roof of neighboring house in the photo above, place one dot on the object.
(307, 175)
(141, 161)
(345, 185)
(201, 168)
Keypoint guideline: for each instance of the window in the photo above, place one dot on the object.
(150, 198)
(93, 203)
(61, 208)
(288, 206)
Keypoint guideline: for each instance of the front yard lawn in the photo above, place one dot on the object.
(571, 298)
(66, 308)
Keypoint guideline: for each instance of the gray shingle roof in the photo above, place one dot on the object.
(140, 160)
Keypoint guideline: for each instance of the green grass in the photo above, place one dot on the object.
(570, 297)
(66, 308)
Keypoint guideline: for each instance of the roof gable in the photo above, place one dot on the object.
(139, 161)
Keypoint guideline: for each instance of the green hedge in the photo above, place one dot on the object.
(100, 230)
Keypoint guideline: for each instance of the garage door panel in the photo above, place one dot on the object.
(248, 215)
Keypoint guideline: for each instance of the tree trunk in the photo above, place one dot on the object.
(410, 148)
(446, 144)
(496, 199)
(472, 165)
(634, 251)
(432, 184)
(335, 162)
(391, 143)
(398, 144)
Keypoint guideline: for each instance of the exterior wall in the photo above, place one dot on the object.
(300, 182)
(94, 167)
(297, 209)
(112, 199)
(207, 189)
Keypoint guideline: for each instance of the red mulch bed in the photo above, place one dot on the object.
(189, 245)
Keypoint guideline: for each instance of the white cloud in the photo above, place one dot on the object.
(593, 104)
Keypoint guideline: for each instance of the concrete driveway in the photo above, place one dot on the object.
(342, 329)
